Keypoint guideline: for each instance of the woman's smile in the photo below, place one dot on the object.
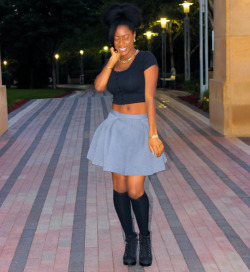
(123, 49)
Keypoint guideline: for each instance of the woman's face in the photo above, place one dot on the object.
(124, 39)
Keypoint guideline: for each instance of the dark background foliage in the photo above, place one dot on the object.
(32, 31)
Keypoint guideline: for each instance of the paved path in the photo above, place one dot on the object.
(56, 209)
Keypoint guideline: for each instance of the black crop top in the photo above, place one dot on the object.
(128, 86)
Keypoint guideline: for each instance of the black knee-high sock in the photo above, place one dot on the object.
(141, 210)
(123, 210)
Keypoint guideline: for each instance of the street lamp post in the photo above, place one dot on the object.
(149, 35)
(82, 75)
(163, 22)
(203, 23)
(186, 6)
(5, 63)
(57, 72)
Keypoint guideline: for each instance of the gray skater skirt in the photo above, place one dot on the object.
(120, 145)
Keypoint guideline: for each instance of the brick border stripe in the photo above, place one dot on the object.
(219, 219)
(23, 248)
(191, 258)
(209, 138)
(104, 108)
(229, 182)
(15, 112)
(18, 169)
(22, 128)
(77, 251)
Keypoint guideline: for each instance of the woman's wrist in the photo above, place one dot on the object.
(111, 63)
(106, 66)
(153, 136)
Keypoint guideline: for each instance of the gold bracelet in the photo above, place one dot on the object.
(153, 136)
(109, 67)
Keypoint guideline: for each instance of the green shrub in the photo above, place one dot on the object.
(205, 100)
(192, 86)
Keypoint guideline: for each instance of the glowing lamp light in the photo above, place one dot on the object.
(163, 22)
(5, 62)
(81, 52)
(106, 48)
(148, 34)
(56, 56)
(186, 6)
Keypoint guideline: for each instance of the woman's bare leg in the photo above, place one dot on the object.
(135, 186)
(119, 183)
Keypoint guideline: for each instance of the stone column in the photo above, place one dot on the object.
(230, 87)
(3, 110)
(3, 105)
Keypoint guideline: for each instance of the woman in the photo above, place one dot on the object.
(126, 143)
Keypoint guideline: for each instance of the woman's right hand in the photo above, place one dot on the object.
(115, 55)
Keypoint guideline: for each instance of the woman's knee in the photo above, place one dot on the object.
(135, 193)
(135, 186)
(119, 183)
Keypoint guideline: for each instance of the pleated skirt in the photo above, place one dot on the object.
(120, 145)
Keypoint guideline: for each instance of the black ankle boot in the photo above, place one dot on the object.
(145, 256)
(129, 257)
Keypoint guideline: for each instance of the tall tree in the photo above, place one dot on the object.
(38, 27)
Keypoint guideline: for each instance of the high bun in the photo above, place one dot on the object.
(121, 14)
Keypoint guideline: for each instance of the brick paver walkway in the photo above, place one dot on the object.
(56, 208)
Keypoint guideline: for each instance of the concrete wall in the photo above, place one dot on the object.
(230, 87)
(3, 110)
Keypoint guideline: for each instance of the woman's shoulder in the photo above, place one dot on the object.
(148, 59)
(146, 53)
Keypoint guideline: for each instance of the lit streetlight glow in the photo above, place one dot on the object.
(149, 35)
(163, 22)
(186, 6)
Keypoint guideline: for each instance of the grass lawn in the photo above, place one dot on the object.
(14, 95)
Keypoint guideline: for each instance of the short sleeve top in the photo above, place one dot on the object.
(128, 86)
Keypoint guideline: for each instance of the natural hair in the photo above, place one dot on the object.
(121, 14)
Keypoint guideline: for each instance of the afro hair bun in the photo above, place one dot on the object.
(120, 12)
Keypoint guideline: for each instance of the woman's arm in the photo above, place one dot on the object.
(102, 79)
(151, 77)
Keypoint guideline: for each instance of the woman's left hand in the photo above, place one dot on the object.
(156, 146)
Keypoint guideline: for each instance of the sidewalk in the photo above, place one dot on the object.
(56, 208)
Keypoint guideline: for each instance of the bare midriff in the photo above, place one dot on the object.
(135, 108)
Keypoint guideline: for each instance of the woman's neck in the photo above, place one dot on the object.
(129, 55)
